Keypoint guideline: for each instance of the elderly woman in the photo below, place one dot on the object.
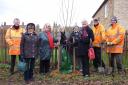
(46, 45)
(85, 36)
(29, 50)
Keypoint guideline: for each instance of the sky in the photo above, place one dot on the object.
(48, 11)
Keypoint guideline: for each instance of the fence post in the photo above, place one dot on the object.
(59, 55)
(74, 60)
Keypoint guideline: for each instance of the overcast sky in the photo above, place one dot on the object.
(43, 11)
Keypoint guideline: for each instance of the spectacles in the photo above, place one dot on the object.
(48, 26)
(31, 27)
(84, 24)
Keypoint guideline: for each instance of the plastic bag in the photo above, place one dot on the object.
(66, 66)
(91, 53)
(22, 66)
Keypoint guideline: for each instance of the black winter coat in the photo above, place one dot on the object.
(83, 44)
(63, 38)
(75, 36)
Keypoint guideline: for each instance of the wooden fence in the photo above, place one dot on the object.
(4, 57)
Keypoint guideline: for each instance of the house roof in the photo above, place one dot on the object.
(104, 2)
(8, 26)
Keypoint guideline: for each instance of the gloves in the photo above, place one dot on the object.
(109, 43)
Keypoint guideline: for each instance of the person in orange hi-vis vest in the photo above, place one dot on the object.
(115, 36)
(13, 39)
(99, 38)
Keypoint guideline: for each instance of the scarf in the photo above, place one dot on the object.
(50, 39)
(84, 33)
(96, 25)
(16, 27)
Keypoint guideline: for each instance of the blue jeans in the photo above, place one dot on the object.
(28, 74)
(118, 58)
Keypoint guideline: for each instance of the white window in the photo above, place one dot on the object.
(106, 10)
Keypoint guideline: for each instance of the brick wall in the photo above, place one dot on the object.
(101, 14)
(121, 11)
(117, 8)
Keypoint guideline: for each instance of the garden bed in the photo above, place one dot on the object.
(57, 78)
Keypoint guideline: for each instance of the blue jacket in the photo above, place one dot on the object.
(44, 48)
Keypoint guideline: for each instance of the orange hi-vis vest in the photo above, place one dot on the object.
(13, 39)
(116, 35)
(99, 35)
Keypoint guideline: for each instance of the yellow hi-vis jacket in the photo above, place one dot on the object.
(116, 35)
(99, 35)
(13, 39)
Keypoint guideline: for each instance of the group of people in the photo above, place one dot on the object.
(110, 40)
(28, 45)
(113, 38)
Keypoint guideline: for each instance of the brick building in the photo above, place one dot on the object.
(109, 8)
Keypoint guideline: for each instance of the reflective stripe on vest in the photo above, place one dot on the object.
(112, 36)
(97, 45)
(15, 37)
(98, 34)
(14, 47)
(116, 46)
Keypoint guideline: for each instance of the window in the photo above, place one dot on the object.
(106, 10)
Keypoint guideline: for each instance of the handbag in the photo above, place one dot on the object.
(91, 53)
(22, 66)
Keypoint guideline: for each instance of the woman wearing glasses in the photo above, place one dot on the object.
(29, 50)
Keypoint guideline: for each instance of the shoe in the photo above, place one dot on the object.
(32, 79)
(42, 74)
(122, 73)
(109, 71)
(11, 73)
(80, 70)
(86, 77)
(101, 69)
(27, 82)
(95, 70)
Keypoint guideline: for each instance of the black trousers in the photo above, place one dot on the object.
(28, 74)
(85, 63)
(44, 66)
(97, 62)
(13, 61)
